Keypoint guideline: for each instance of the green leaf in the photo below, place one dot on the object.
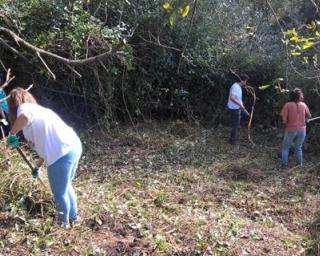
(312, 26)
(315, 57)
(265, 86)
(307, 45)
(172, 19)
(291, 32)
(184, 11)
(295, 53)
(295, 39)
(167, 7)
(248, 27)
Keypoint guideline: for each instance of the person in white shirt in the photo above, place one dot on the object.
(236, 107)
(56, 143)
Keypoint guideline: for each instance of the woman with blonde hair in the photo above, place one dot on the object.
(55, 142)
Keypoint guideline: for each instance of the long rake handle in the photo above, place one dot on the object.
(313, 119)
(25, 158)
(29, 164)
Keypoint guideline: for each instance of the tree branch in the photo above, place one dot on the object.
(158, 43)
(15, 51)
(46, 66)
(8, 79)
(21, 42)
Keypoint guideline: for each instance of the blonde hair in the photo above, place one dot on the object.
(17, 97)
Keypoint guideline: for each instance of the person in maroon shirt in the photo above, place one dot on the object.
(294, 115)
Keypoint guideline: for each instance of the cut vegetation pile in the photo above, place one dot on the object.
(167, 191)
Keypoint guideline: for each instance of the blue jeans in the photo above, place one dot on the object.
(61, 174)
(293, 137)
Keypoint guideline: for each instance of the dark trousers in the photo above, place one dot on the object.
(235, 117)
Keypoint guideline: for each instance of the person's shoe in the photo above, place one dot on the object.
(63, 225)
(75, 222)
(60, 222)
(282, 167)
(232, 142)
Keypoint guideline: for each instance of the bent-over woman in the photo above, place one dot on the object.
(55, 142)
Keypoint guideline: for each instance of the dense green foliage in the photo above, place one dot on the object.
(170, 188)
(173, 58)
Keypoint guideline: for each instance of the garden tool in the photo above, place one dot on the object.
(30, 165)
(313, 119)
(13, 143)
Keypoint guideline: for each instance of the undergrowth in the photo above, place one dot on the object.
(167, 190)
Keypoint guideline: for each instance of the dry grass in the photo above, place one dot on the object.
(173, 190)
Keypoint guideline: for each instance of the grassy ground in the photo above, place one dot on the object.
(168, 190)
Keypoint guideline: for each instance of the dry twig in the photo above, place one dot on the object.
(8, 80)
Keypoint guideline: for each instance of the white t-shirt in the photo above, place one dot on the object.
(235, 90)
(51, 137)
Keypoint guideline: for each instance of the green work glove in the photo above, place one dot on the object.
(35, 172)
(13, 141)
